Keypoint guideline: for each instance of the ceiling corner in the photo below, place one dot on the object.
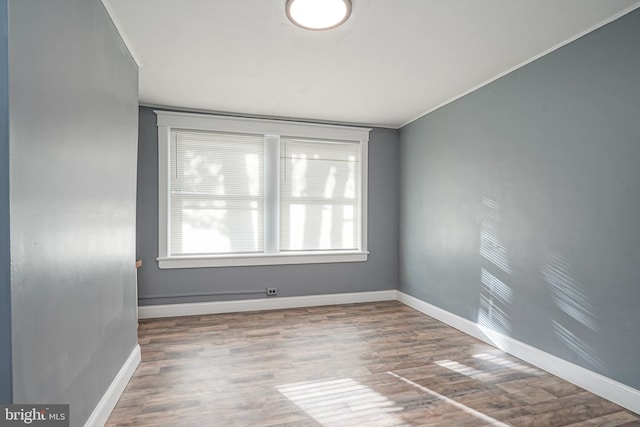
(123, 35)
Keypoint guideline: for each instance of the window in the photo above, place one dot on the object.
(319, 209)
(237, 191)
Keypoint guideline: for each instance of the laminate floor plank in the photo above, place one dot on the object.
(372, 364)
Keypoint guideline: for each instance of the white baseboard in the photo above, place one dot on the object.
(102, 411)
(607, 388)
(271, 303)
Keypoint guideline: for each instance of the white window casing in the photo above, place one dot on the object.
(240, 192)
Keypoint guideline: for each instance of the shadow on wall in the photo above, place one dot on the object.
(574, 324)
(495, 294)
(575, 320)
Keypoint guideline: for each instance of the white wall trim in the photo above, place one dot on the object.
(123, 35)
(102, 411)
(528, 61)
(268, 131)
(234, 124)
(272, 303)
(281, 258)
(607, 388)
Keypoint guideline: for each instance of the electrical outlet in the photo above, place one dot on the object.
(272, 291)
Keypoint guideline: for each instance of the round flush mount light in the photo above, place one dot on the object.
(318, 14)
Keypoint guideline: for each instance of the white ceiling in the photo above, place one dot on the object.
(393, 61)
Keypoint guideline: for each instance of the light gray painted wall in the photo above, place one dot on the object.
(520, 203)
(378, 273)
(73, 136)
(5, 261)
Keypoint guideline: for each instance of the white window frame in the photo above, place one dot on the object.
(272, 130)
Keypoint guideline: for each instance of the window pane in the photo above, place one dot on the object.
(216, 193)
(319, 195)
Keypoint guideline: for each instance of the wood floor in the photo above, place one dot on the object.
(374, 364)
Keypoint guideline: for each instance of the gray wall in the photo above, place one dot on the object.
(73, 136)
(520, 203)
(378, 273)
(5, 263)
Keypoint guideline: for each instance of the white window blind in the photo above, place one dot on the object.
(216, 193)
(319, 195)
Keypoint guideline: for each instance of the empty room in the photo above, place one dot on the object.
(319, 213)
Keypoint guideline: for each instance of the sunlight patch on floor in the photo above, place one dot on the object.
(342, 402)
(484, 417)
(506, 363)
(462, 369)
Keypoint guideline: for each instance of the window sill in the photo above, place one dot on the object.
(261, 259)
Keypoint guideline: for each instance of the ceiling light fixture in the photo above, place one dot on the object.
(318, 14)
